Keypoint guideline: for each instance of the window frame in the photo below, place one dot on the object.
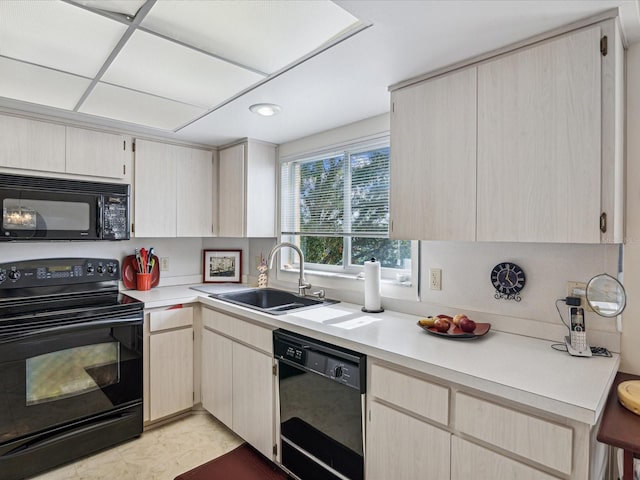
(348, 269)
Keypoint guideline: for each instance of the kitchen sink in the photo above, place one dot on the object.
(271, 300)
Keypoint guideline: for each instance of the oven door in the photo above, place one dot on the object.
(321, 429)
(47, 215)
(57, 371)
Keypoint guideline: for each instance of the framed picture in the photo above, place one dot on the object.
(222, 266)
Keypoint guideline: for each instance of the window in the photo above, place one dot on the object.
(335, 207)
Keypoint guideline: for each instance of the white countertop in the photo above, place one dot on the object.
(523, 369)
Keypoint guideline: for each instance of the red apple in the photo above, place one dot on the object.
(467, 325)
(457, 318)
(442, 324)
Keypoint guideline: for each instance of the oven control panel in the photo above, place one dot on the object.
(57, 271)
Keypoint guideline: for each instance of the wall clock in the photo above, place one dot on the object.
(508, 279)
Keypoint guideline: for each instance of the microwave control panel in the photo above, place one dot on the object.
(115, 218)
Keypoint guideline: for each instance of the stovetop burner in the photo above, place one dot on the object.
(34, 288)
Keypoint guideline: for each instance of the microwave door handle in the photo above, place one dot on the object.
(99, 218)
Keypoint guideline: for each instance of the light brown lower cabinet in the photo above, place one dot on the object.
(217, 375)
(470, 461)
(238, 385)
(420, 426)
(170, 366)
(400, 446)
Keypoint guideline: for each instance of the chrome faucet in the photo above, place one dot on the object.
(302, 283)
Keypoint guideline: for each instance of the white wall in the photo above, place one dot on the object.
(631, 317)
(337, 136)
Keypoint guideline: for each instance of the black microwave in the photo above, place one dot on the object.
(40, 208)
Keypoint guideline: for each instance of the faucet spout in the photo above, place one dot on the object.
(302, 283)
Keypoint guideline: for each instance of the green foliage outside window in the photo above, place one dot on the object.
(348, 193)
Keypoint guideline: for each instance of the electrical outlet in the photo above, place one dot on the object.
(578, 289)
(435, 279)
(164, 264)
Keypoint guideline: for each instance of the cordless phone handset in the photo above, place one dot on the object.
(577, 342)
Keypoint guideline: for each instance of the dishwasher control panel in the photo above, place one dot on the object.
(330, 361)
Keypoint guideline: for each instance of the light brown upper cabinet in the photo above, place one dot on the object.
(48, 147)
(31, 144)
(100, 154)
(247, 190)
(537, 156)
(173, 191)
(433, 159)
(544, 158)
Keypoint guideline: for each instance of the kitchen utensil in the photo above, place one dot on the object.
(130, 269)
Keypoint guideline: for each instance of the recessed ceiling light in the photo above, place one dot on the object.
(265, 109)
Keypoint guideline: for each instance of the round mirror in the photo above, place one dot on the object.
(606, 295)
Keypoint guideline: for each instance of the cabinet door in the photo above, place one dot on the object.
(217, 376)
(170, 372)
(96, 153)
(194, 174)
(401, 446)
(260, 195)
(471, 461)
(155, 189)
(253, 393)
(231, 192)
(433, 159)
(539, 142)
(31, 145)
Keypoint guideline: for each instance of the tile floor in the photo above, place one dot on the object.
(161, 453)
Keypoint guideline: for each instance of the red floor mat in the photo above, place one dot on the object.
(243, 463)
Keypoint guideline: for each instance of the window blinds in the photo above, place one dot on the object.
(344, 193)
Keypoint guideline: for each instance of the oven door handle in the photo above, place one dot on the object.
(70, 328)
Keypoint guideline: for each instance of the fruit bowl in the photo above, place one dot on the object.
(455, 331)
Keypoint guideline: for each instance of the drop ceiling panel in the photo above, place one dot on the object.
(126, 7)
(118, 103)
(265, 35)
(158, 66)
(57, 35)
(34, 84)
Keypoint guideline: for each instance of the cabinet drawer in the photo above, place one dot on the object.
(414, 394)
(246, 332)
(472, 461)
(168, 319)
(534, 438)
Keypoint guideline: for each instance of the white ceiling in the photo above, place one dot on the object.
(269, 52)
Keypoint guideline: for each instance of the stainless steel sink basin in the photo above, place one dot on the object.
(271, 300)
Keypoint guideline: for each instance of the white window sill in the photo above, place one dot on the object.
(346, 276)
(341, 286)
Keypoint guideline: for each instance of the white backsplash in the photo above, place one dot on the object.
(465, 275)
(185, 259)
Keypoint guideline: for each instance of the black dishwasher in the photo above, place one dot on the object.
(321, 393)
